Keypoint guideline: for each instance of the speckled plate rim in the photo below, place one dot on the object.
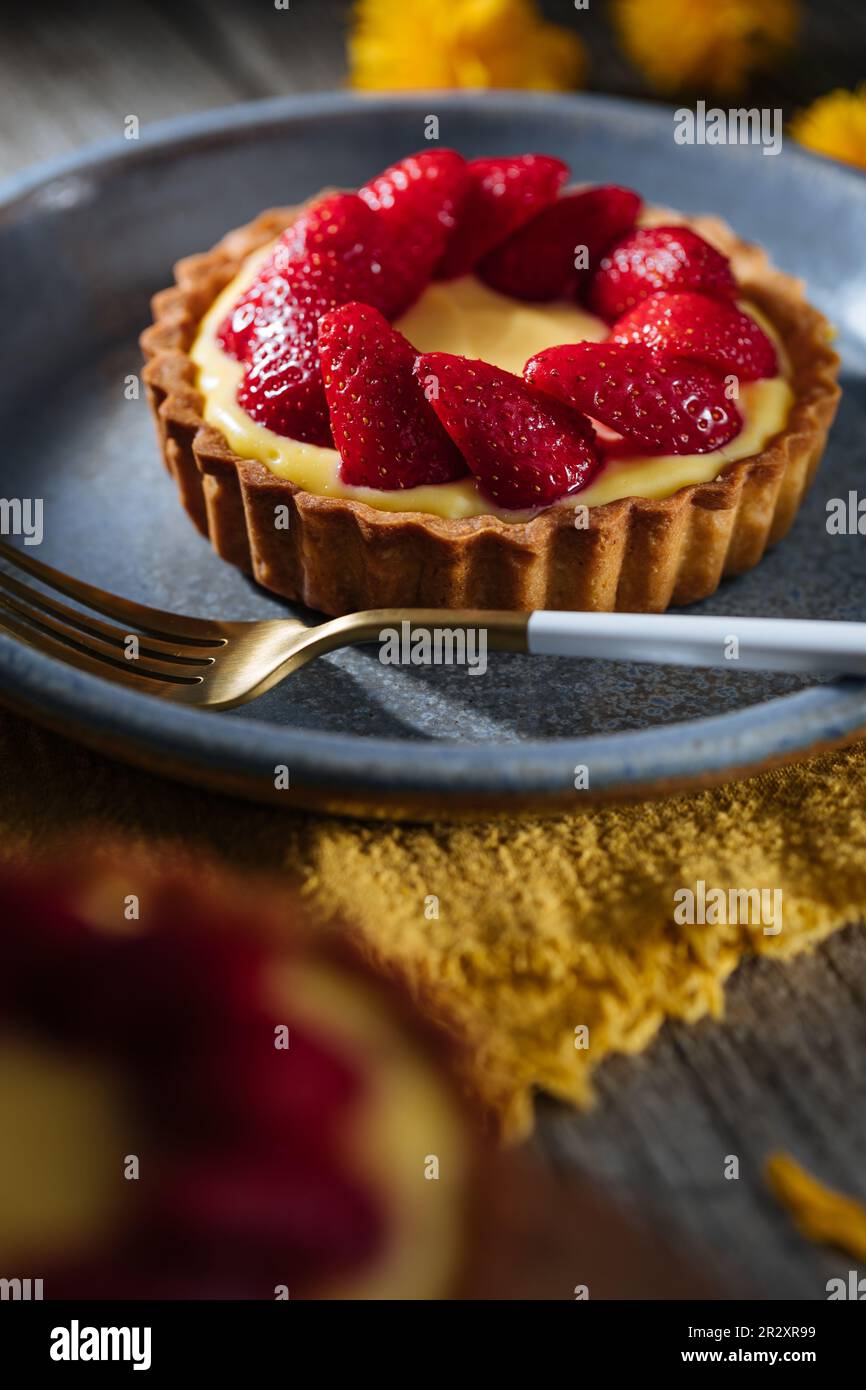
(355, 774)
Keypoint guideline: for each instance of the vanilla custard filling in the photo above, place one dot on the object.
(466, 318)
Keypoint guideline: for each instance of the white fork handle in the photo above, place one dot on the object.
(752, 644)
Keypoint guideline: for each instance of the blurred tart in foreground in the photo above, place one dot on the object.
(202, 1101)
(202, 1113)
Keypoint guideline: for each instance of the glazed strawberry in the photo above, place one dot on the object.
(417, 202)
(259, 307)
(525, 449)
(335, 248)
(657, 258)
(339, 224)
(707, 330)
(666, 405)
(538, 261)
(282, 385)
(501, 195)
(386, 432)
(276, 325)
(378, 246)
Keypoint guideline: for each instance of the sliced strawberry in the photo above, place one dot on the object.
(282, 389)
(282, 386)
(666, 405)
(538, 261)
(657, 258)
(525, 449)
(260, 306)
(340, 224)
(501, 195)
(380, 246)
(338, 238)
(425, 185)
(417, 202)
(275, 325)
(387, 435)
(707, 330)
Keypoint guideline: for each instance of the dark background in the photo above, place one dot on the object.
(70, 72)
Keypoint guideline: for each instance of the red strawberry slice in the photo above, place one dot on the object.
(282, 387)
(380, 244)
(666, 405)
(707, 330)
(387, 435)
(525, 449)
(340, 224)
(657, 258)
(260, 306)
(417, 202)
(501, 195)
(538, 261)
(338, 238)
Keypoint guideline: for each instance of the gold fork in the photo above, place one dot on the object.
(196, 661)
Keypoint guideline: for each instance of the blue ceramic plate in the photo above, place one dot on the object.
(85, 243)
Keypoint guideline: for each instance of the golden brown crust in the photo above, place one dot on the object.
(636, 554)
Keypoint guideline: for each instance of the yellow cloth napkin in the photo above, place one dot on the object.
(543, 927)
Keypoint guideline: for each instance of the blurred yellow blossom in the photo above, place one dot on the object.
(835, 124)
(431, 44)
(704, 46)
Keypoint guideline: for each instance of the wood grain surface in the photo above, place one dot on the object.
(786, 1069)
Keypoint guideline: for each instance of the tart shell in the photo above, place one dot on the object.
(339, 556)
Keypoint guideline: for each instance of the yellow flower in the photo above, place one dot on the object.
(704, 46)
(835, 125)
(431, 44)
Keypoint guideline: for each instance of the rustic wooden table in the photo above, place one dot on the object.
(787, 1067)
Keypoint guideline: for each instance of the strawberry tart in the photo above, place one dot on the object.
(213, 1099)
(469, 385)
